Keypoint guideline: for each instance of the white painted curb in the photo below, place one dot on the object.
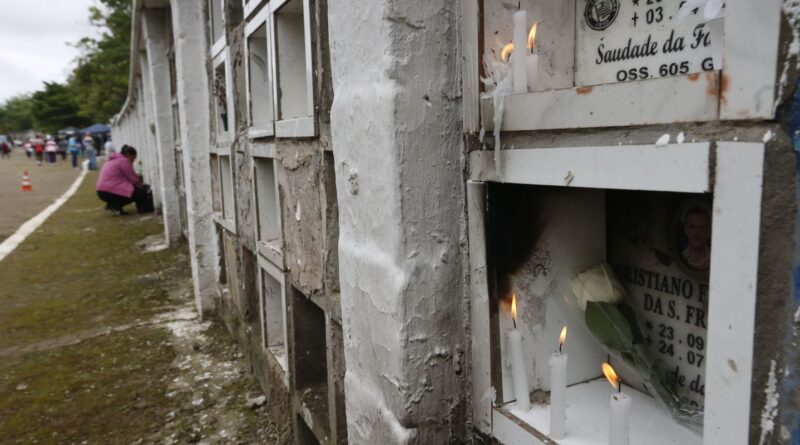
(30, 226)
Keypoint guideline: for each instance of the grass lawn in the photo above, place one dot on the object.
(49, 182)
(62, 382)
(82, 269)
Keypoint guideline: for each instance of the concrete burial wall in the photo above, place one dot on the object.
(371, 268)
(396, 134)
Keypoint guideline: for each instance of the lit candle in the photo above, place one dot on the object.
(619, 425)
(505, 54)
(518, 62)
(518, 373)
(558, 390)
(532, 61)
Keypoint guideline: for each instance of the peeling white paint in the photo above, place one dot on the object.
(770, 405)
(398, 118)
(490, 395)
(768, 136)
(145, 122)
(791, 10)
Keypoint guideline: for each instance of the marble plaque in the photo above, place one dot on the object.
(659, 246)
(627, 40)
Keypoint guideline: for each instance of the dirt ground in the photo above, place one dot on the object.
(49, 182)
(100, 343)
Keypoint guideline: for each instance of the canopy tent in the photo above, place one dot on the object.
(69, 131)
(97, 129)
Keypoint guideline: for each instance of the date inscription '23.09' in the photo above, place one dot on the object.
(625, 40)
(660, 248)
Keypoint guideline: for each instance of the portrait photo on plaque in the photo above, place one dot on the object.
(691, 232)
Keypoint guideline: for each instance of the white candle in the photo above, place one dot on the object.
(532, 67)
(619, 428)
(532, 60)
(518, 63)
(518, 374)
(619, 425)
(558, 395)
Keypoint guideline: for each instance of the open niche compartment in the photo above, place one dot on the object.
(226, 190)
(216, 22)
(294, 74)
(658, 310)
(259, 76)
(268, 231)
(310, 365)
(223, 99)
(273, 312)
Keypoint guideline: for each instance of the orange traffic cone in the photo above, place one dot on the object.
(26, 182)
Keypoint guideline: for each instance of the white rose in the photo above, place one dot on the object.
(597, 284)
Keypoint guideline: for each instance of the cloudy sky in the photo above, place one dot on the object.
(34, 37)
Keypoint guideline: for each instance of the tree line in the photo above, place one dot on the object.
(94, 91)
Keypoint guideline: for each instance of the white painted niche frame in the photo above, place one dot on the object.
(266, 267)
(745, 88)
(216, 45)
(250, 6)
(225, 218)
(302, 125)
(254, 24)
(682, 168)
(223, 138)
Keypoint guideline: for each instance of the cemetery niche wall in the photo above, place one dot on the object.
(563, 64)
(570, 111)
(539, 239)
(623, 259)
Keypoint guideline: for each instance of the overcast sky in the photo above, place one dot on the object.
(34, 37)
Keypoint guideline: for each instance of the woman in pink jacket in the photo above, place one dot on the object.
(118, 184)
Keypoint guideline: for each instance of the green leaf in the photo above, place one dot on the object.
(609, 326)
(629, 315)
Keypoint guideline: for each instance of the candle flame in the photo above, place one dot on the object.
(506, 53)
(563, 337)
(514, 306)
(532, 36)
(611, 375)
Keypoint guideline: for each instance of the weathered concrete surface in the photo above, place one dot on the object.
(299, 171)
(188, 24)
(774, 304)
(240, 313)
(156, 35)
(310, 233)
(331, 241)
(397, 134)
(241, 149)
(149, 147)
